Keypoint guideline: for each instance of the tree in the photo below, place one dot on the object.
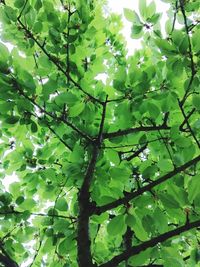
(108, 170)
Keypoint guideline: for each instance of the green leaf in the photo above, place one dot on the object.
(19, 200)
(113, 156)
(183, 142)
(61, 224)
(66, 98)
(171, 256)
(44, 61)
(38, 4)
(18, 248)
(178, 67)
(143, 8)
(155, 18)
(134, 222)
(116, 226)
(120, 174)
(5, 198)
(49, 88)
(27, 204)
(130, 220)
(77, 109)
(37, 28)
(196, 101)
(160, 220)
(184, 45)
(165, 46)
(132, 16)
(61, 204)
(169, 201)
(193, 188)
(34, 127)
(66, 246)
(177, 37)
(165, 165)
(11, 13)
(19, 3)
(151, 9)
(4, 53)
(77, 156)
(6, 107)
(12, 120)
(62, 247)
(154, 111)
(136, 30)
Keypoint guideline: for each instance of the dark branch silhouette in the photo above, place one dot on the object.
(136, 153)
(135, 130)
(192, 65)
(150, 243)
(146, 188)
(83, 238)
(186, 119)
(5, 258)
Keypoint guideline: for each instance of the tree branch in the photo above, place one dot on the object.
(188, 124)
(59, 138)
(22, 10)
(68, 32)
(136, 144)
(14, 212)
(192, 65)
(167, 148)
(5, 259)
(136, 153)
(53, 131)
(135, 130)
(36, 251)
(174, 19)
(150, 243)
(186, 118)
(83, 237)
(146, 188)
(193, 71)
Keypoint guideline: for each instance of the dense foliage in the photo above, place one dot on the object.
(105, 146)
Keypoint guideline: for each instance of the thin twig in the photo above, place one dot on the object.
(188, 125)
(61, 119)
(187, 118)
(56, 62)
(174, 19)
(36, 252)
(136, 153)
(132, 145)
(24, 6)
(192, 65)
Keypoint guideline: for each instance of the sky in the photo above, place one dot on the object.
(117, 6)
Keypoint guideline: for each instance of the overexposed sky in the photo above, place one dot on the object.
(117, 6)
